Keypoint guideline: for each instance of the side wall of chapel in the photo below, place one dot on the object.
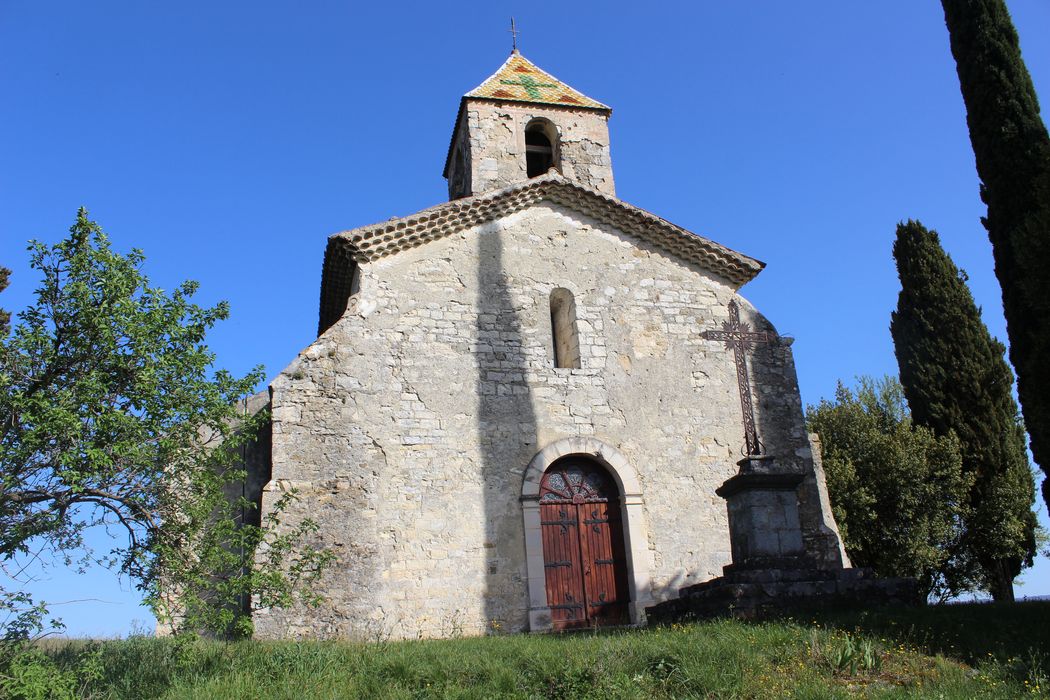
(408, 425)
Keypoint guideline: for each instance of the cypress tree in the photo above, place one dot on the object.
(1012, 151)
(956, 381)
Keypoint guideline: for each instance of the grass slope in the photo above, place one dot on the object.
(964, 651)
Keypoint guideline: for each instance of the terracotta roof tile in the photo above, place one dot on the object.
(519, 80)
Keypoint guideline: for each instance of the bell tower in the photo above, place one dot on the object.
(520, 123)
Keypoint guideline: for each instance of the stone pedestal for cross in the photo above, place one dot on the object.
(764, 526)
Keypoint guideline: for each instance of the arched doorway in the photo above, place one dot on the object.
(584, 557)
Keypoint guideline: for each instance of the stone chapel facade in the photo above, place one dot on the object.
(512, 418)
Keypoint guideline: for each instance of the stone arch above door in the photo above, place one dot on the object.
(636, 532)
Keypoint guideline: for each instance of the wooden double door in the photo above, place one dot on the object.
(583, 546)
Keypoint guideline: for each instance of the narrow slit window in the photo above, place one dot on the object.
(566, 339)
(355, 279)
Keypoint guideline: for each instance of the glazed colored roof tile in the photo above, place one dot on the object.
(370, 243)
(519, 80)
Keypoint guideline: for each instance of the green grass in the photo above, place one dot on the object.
(971, 651)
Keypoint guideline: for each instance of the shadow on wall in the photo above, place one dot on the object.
(506, 432)
(671, 588)
(781, 428)
(774, 411)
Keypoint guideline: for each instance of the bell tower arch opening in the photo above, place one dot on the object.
(541, 147)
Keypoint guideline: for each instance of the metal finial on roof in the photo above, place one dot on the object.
(514, 36)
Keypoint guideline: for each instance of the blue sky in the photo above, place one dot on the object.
(228, 140)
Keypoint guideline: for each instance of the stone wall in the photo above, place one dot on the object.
(255, 460)
(408, 425)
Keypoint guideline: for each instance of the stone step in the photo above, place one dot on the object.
(777, 576)
(752, 593)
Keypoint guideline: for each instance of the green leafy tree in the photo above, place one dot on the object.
(1012, 151)
(956, 381)
(110, 415)
(898, 492)
(5, 316)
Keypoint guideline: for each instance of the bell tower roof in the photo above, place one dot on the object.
(520, 123)
(519, 80)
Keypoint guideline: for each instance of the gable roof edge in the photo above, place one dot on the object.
(369, 243)
(385, 238)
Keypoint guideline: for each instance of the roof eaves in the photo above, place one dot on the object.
(392, 236)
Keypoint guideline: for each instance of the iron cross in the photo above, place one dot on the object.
(514, 34)
(741, 338)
